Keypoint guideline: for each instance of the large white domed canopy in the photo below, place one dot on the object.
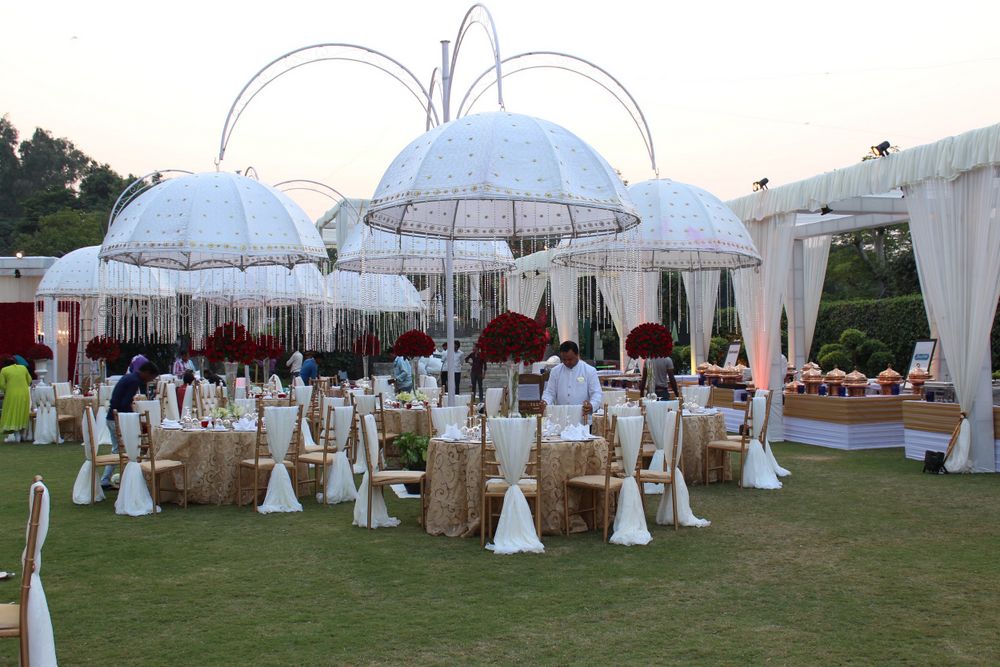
(372, 292)
(683, 227)
(374, 251)
(500, 175)
(213, 219)
(262, 286)
(80, 274)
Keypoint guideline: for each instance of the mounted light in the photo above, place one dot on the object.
(881, 150)
(19, 254)
(825, 210)
(760, 185)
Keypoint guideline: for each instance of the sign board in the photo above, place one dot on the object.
(923, 354)
(733, 355)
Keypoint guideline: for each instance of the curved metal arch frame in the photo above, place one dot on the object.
(638, 117)
(319, 188)
(264, 79)
(133, 190)
(479, 14)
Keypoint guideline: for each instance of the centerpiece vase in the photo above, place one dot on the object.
(364, 366)
(650, 382)
(231, 368)
(512, 384)
(414, 371)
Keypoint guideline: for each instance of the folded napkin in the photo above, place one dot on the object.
(245, 425)
(170, 423)
(452, 432)
(575, 432)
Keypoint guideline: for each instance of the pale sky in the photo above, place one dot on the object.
(733, 91)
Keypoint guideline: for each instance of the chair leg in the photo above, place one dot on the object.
(705, 465)
(256, 491)
(93, 481)
(566, 508)
(369, 524)
(673, 496)
(743, 462)
(482, 519)
(607, 509)
(538, 513)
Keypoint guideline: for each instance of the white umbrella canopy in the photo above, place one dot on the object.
(209, 220)
(372, 292)
(683, 227)
(80, 274)
(500, 175)
(260, 286)
(374, 251)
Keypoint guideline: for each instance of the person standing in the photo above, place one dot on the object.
(402, 374)
(310, 368)
(573, 382)
(187, 381)
(476, 372)
(453, 365)
(15, 383)
(444, 368)
(121, 401)
(663, 377)
(137, 362)
(294, 363)
(182, 364)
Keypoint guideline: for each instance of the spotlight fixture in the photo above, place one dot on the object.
(19, 254)
(17, 273)
(825, 210)
(760, 185)
(881, 150)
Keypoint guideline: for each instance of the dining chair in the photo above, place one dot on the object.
(378, 478)
(492, 484)
(262, 460)
(154, 468)
(671, 459)
(727, 447)
(599, 486)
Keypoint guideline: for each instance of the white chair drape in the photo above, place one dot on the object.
(188, 403)
(86, 478)
(172, 408)
(280, 497)
(494, 399)
(618, 291)
(428, 382)
(630, 520)
(153, 408)
(41, 641)
(956, 242)
(382, 386)
(297, 381)
(815, 254)
(665, 510)
(564, 301)
(133, 494)
(442, 417)
(513, 438)
(775, 466)
(241, 388)
(339, 480)
(303, 397)
(245, 404)
(365, 404)
(103, 433)
(623, 411)
(614, 396)
(380, 514)
(62, 389)
(432, 393)
(656, 419)
(46, 416)
(326, 403)
(757, 470)
(275, 383)
(565, 415)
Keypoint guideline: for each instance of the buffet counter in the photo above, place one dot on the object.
(867, 422)
(929, 426)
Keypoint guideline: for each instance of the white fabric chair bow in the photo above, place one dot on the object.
(630, 519)
(442, 417)
(275, 383)
(614, 397)
(565, 415)
(172, 411)
(153, 408)
(46, 416)
(380, 514)
(303, 397)
(41, 642)
(494, 399)
(665, 510)
(513, 437)
(87, 477)
(339, 480)
(757, 471)
(280, 496)
(133, 494)
(778, 470)
(63, 389)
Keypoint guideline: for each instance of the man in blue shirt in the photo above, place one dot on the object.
(402, 374)
(310, 367)
(121, 401)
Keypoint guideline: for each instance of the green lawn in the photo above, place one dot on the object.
(859, 559)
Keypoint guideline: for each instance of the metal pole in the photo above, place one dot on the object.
(449, 253)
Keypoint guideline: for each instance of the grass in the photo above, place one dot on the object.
(859, 559)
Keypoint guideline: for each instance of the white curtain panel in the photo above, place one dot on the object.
(133, 494)
(442, 417)
(775, 466)
(46, 416)
(815, 254)
(564, 301)
(513, 438)
(525, 291)
(494, 399)
(339, 480)
(702, 289)
(380, 514)
(153, 408)
(630, 519)
(665, 510)
(280, 497)
(956, 242)
(649, 298)
(619, 292)
(87, 484)
(41, 641)
(173, 411)
(565, 415)
(757, 471)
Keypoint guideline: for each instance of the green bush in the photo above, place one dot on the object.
(878, 363)
(717, 349)
(412, 450)
(870, 347)
(681, 357)
(852, 339)
(830, 348)
(838, 359)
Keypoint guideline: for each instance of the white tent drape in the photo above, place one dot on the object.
(702, 290)
(564, 295)
(41, 641)
(280, 495)
(815, 254)
(619, 292)
(956, 242)
(525, 291)
(513, 438)
(133, 494)
(630, 520)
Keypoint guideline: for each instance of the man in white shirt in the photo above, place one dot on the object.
(294, 363)
(573, 382)
(452, 362)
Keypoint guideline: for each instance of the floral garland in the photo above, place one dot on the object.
(38, 352)
(649, 341)
(103, 348)
(268, 347)
(413, 343)
(230, 342)
(513, 337)
(367, 345)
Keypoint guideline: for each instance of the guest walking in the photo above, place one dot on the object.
(121, 401)
(452, 364)
(310, 368)
(294, 363)
(476, 373)
(15, 383)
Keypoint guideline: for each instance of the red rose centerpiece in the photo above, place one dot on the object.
(411, 345)
(231, 344)
(38, 352)
(512, 338)
(103, 349)
(649, 341)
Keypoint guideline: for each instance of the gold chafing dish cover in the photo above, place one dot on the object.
(836, 375)
(703, 367)
(731, 371)
(812, 375)
(919, 373)
(792, 386)
(810, 365)
(856, 378)
(713, 370)
(889, 376)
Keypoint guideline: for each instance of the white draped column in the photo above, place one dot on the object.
(956, 242)
(50, 330)
(619, 291)
(803, 294)
(564, 301)
(702, 290)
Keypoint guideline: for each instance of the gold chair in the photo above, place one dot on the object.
(96, 458)
(14, 617)
(262, 460)
(153, 467)
(603, 484)
(323, 456)
(727, 446)
(383, 478)
(746, 426)
(493, 486)
(666, 477)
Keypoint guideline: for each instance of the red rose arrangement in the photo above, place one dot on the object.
(513, 337)
(38, 351)
(230, 342)
(649, 341)
(103, 348)
(268, 347)
(367, 345)
(413, 343)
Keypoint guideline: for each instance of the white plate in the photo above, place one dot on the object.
(6, 575)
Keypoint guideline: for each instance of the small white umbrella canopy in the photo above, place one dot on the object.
(372, 292)
(500, 175)
(262, 286)
(209, 220)
(374, 251)
(80, 274)
(683, 227)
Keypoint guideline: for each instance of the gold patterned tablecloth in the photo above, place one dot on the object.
(74, 407)
(453, 484)
(401, 420)
(699, 430)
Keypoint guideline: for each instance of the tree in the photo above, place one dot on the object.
(101, 186)
(61, 232)
(48, 162)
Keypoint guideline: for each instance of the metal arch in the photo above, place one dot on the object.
(137, 187)
(430, 93)
(319, 188)
(479, 14)
(328, 51)
(628, 101)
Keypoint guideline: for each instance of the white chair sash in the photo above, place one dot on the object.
(432, 394)
(382, 386)
(41, 642)
(380, 514)
(623, 411)
(133, 494)
(460, 399)
(630, 521)
(513, 438)
(428, 382)
(665, 510)
(172, 408)
(757, 471)
(494, 399)
(246, 404)
(103, 433)
(339, 480)
(565, 415)
(366, 403)
(62, 389)
(614, 397)
(240, 388)
(442, 417)
(46, 416)
(303, 397)
(82, 495)
(778, 470)
(275, 383)
(657, 415)
(280, 496)
(153, 408)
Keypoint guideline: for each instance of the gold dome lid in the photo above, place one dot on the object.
(836, 375)
(919, 373)
(713, 370)
(812, 375)
(792, 386)
(703, 366)
(889, 375)
(809, 365)
(855, 377)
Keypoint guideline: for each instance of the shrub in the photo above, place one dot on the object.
(830, 348)
(681, 357)
(852, 339)
(836, 358)
(878, 363)
(870, 347)
(717, 349)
